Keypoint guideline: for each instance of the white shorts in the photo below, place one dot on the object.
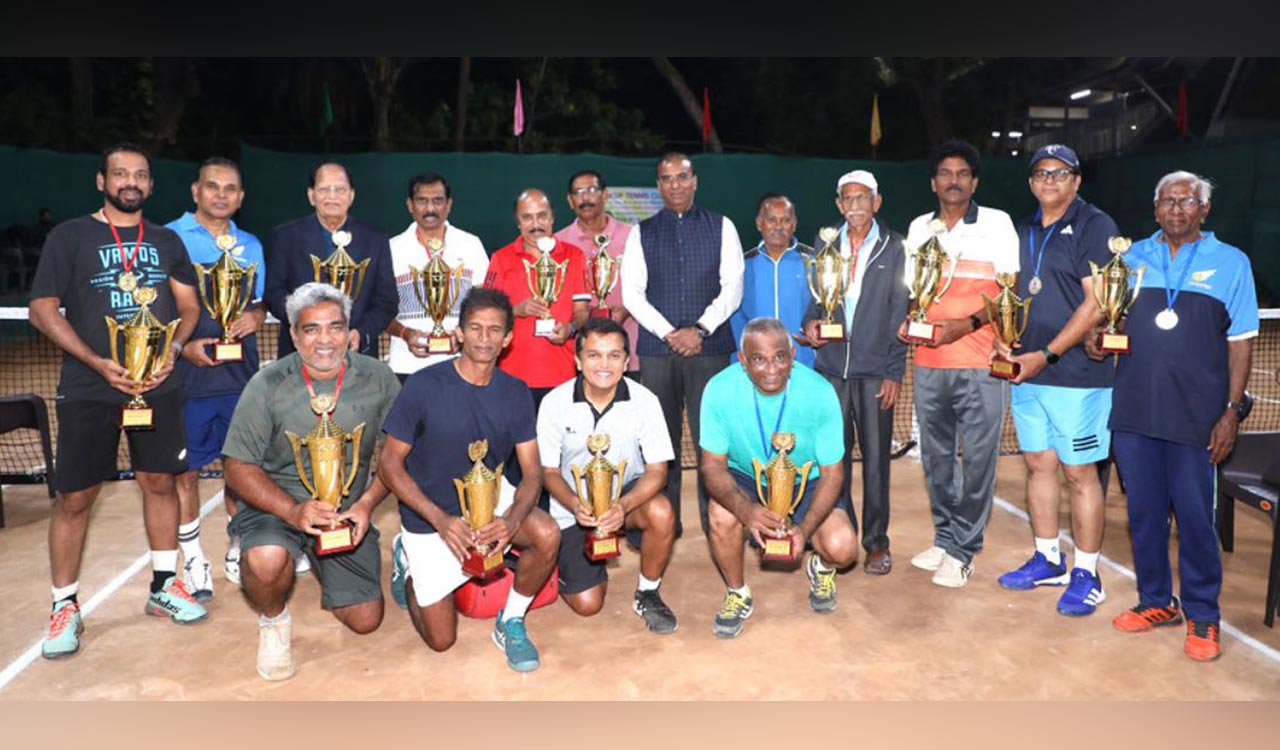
(436, 573)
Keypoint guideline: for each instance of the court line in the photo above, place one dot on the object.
(1224, 626)
(18, 665)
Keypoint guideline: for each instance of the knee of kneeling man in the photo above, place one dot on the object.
(440, 644)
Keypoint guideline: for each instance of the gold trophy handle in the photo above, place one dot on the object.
(361, 268)
(1137, 287)
(169, 332)
(804, 482)
(316, 264)
(201, 275)
(759, 469)
(297, 444)
(249, 273)
(1026, 318)
(462, 499)
(354, 436)
(113, 329)
(809, 265)
(1095, 273)
(580, 487)
(993, 313)
(528, 277)
(621, 472)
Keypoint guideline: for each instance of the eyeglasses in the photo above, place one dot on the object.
(333, 189)
(588, 190)
(1057, 175)
(857, 199)
(684, 178)
(1186, 204)
(436, 200)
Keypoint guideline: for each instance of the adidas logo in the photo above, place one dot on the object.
(165, 604)
(1067, 230)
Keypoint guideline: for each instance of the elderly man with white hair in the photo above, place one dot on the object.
(1177, 405)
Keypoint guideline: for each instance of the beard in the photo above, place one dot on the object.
(128, 206)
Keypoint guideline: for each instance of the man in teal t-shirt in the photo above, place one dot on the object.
(743, 408)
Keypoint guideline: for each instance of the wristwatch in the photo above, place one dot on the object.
(702, 330)
(1243, 406)
(976, 321)
(1049, 356)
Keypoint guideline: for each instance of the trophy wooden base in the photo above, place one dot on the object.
(1113, 343)
(778, 550)
(544, 326)
(831, 331)
(483, 567)
(923, 333)
(440, 345)
(137, 418)
(1005, 369)
(333, 541)
(228, 351)
(602, 547)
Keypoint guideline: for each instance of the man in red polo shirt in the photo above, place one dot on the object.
(542, 362)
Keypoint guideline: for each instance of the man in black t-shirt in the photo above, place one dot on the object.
(95, 266)
(442, 410)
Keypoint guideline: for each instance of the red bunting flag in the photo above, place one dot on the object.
(706, 115)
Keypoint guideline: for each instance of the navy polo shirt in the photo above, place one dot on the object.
(1069, 244)
(1173, 385)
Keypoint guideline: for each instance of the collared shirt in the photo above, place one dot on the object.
(633, 421)
(461, 248)
(854, 291)
(618, 232)
(775, 289)
(983, 244)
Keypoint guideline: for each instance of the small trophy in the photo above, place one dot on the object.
(478, 499)
(1112, 292)
(147, 345)
(781, 496)
(602, 274)
(330, 481)
(926, 273)
(829, 275)
(230, 289)
(437, 287)
(597, 493)
(546, 279)
(1009, 318)
(339, 269)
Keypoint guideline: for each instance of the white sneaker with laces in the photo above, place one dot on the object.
(275, 650)
(952, 573)
(197, 573)
(930, 559)
(231, 566)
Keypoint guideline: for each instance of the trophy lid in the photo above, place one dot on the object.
(1119, 245)
(341, 238)
(784, 441)
(477, 450)
(225, 242)
(598, 442)
(938, 226)
(546, 244)
(829, 235)
(1007, 280)
(434, 244)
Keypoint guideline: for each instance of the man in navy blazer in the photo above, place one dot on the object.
(293, 243)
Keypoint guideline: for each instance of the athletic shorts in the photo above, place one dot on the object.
(1070, 421)
(346, 578)
(207, 419)
(748, 485)
(89, 438)
(579, 572)
(436, 573)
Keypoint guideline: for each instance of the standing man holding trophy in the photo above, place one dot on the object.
(1061, 400)
(435, 264)
(773, 277)
(333, 247)
(866, 361)
(682, 280)
(290, 504)
(596, 232)
(1179, 399)
(604, 449)
(793, 418)
(113, 264)
(959, 406)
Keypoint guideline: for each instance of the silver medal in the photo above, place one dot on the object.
(1167, 319)
(1034, 285)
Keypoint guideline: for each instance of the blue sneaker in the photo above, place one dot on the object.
(1083, 595)
(510, 636)
(65, 627)
(176, 603)
(1037, 571)
(399, 574)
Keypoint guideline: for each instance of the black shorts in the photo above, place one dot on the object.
(577, 571)
(89, 438)
(748, 486)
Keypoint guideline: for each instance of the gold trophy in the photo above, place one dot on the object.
(597, 493)
(1112, 292)
(1009, 318)
(781, 497)
(602, 274)
(546, 279)
(437, 287)
(925, 276)
(330, 481)
(829, 275)
(340, 270)
(478, 498)
(230, 289)
(147, 346)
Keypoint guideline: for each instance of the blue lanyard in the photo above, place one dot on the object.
(1038, 258)
(764, 439)
(1171, 294)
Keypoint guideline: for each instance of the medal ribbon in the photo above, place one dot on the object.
(422, 240)
(1038, 257)
(1171, 293)
(337, 389)
(127, 261)
(764, 439)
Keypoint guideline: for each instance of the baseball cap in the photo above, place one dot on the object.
(858, 177)
(1064, 154)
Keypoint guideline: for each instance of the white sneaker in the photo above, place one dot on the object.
(197, 574)
(952, 573)
(275, 652)
(301, 565)
(930, 559)
(231, 566)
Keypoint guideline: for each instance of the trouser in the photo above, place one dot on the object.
(872, 428)
(959, 410)
(1159, 477)
(678, 383)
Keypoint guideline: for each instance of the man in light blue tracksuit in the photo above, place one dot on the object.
(773, 281)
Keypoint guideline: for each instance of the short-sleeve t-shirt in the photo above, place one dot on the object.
(276, 401)
(439, 414)
(79, 267)
(1068, 245)
(739, 421)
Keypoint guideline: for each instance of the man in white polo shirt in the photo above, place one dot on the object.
(601, 401)
(430, 201)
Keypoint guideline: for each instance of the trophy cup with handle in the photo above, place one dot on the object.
(340, 270)
(1114, 294)
(1008, 314)
(598, 491)
(230, 288)
(147, 345)
(829, 275)
(546, 279)
(478, 491)
(437, 287)
(602, 274)
(924, 278)
(776, 490)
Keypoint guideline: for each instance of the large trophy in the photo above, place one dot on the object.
(1112, 292)
(230, 290)
(926, 275)
(1009, 318)
(546, 279)
(478, 499)
(437, 287)
(597, 492)
(602, 274)
(147, 344)
(778, 493)
(829, 275)
(340, 270)
(330, 480)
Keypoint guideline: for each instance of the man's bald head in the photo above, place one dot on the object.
(534, 217)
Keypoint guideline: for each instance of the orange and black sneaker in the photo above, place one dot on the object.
(1202, 640)
(1142, 618)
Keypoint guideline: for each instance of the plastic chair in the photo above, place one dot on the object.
(27, 410)
(1251, 474)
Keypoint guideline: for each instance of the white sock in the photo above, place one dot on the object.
(647, 585)
(517, 605)
(233, 549)
(744, 592)
(189, 540)
(164, 560)
(1050, 549)
(1087, 561)
(820, 565)
(60, 593)
(282, 617)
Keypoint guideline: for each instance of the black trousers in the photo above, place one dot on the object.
(872, 428)
(678, 383)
